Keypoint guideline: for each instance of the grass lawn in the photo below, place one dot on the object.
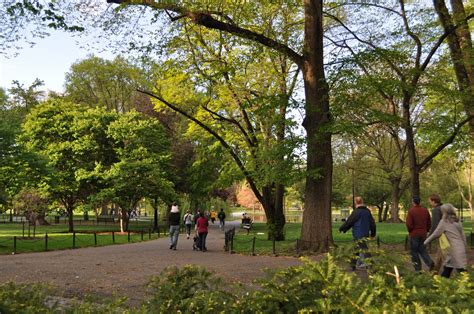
(33, 239)
(388, 233)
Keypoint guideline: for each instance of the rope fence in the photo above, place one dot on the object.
(251, 245)
(55, 241)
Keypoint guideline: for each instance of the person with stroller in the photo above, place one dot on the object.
(202, 230)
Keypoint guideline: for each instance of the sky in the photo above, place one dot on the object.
(48, 60)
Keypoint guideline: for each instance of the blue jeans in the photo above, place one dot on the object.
(417, 249)
(174, 233)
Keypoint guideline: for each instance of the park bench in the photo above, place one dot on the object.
(247, 224)
(105, 219)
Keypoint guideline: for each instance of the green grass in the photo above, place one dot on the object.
(388, 233)
(33, 240)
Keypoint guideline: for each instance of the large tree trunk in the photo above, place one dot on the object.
(385, 212)
(124, 219)
(70, 215)
(411, 148)
(273, 207)
(41, 219)
(394, 206)
(461, 50)
(316, 232)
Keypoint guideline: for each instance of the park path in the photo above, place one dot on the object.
(125, 269)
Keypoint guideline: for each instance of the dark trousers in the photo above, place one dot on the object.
(361, 249)
(202, 241)
(417, 249)
(188, 229)
(447, 271)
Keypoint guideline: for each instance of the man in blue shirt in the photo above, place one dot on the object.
(363, 226)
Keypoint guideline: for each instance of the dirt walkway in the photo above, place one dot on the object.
(125, 269)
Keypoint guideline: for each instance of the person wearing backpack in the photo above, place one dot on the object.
(221, 217)
(188, 223)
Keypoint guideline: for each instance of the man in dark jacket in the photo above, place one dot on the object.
(418, 224)
(435, 203)
(174, 219)
(363, 226)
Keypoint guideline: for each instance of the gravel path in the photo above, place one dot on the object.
(125, 269)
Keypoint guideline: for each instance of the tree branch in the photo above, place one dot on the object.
(205, 18)
(221, 140)
(425, 163)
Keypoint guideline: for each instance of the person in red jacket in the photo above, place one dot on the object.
(418, 224)
(201, 226)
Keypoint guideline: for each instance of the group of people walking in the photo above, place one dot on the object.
(443, 224)
(199, 221)
(423, 228)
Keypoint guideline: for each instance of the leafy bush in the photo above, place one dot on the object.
(190, 290)
(322, 286)
(312, 287)
(23, 299)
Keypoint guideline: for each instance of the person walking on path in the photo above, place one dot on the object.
(418, 224)
(363, 226)
(221, 216)
(435, 203)
(188, 223)
(450, 227)
(174, 219)
(213, 215)
(202, 230)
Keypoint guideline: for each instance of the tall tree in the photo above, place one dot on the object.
(26, 97)
(456, 26)
(48, 130)
(140, 171)
(316, 231)
(103, 83)
(406, 62)
(248, 93)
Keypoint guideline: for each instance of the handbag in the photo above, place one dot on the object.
(444, 243)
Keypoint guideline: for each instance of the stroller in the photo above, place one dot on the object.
(196, 244)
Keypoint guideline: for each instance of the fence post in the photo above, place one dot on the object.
(113, 237)
(23, 228)
(74, 240)
(29, 229)
(14, 245)
(142, 234)
(149, 233)
(46, 242)
(34, 230)
(253, 246)
(274, 246)
(95, 238)
(128, 235)
(378, 241)
(406, 243)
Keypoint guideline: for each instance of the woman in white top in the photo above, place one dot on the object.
(452, 229)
